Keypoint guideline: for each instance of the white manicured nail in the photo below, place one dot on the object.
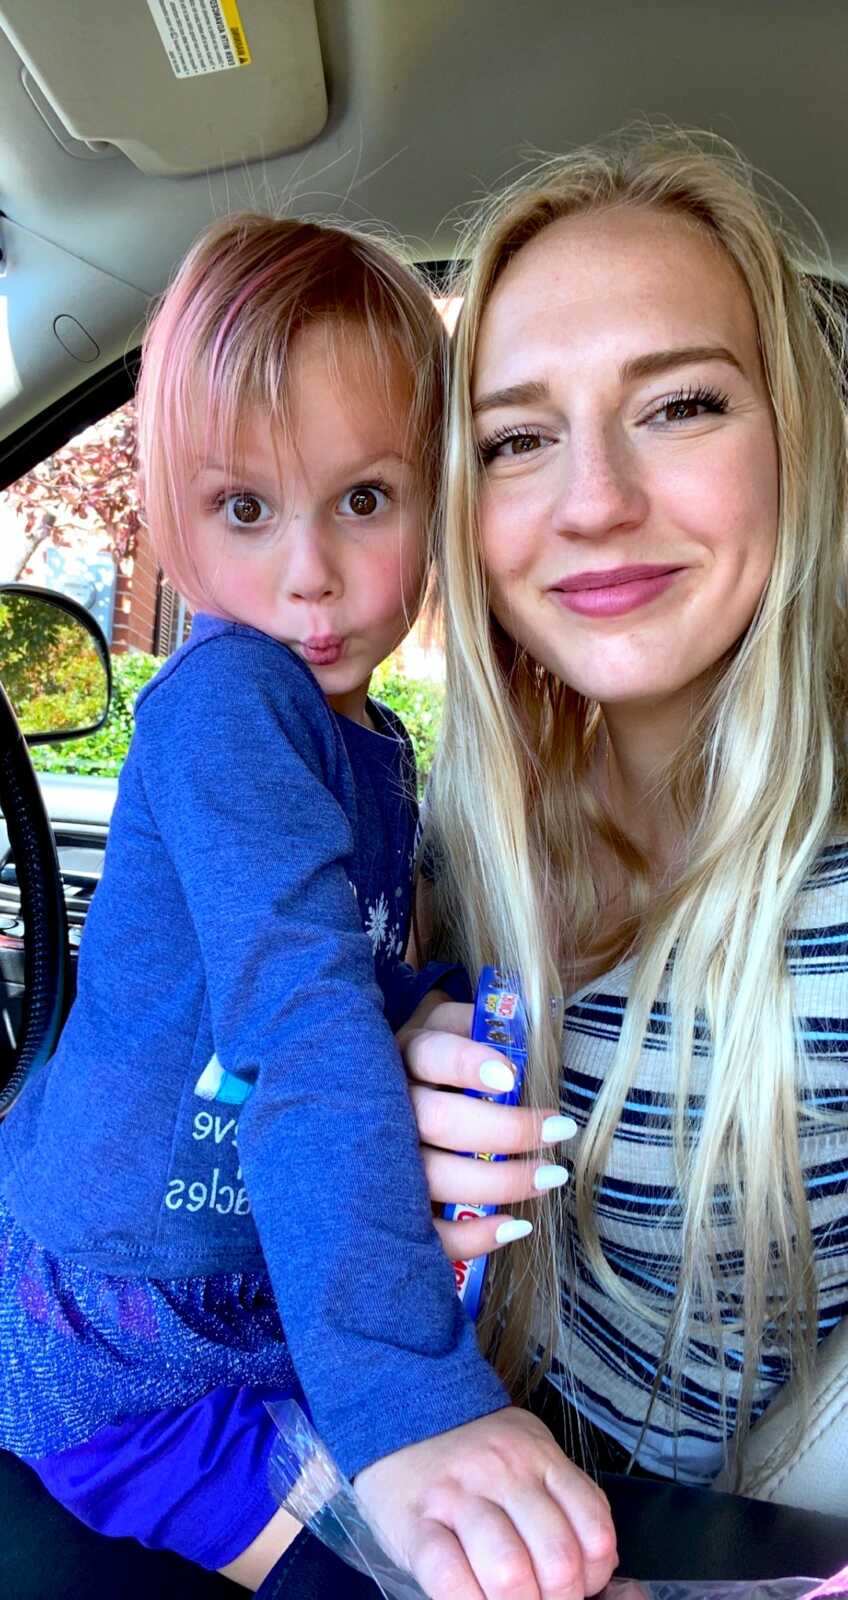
(497, 1076)
(550, 1177)
(514, 1228)
(556, 1128)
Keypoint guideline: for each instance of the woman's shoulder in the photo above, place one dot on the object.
(817, 941)
(825, 889)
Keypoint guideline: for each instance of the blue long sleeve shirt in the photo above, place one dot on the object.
(253, 877)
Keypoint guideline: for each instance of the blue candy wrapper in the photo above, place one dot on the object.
(499, 1020)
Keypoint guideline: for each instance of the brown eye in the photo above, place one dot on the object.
(244, 509)
(364, 500)
(522, 444)
(681, 410)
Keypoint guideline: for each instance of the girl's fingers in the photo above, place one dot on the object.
(436, 1558)
(547, 1532)
(588, 1511)
(496, 1551)
(479, 1236)
(490, 1183)
(454, 1122)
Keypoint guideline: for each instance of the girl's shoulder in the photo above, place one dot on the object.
(236, 657)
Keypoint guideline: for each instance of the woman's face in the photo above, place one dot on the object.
(629, 490)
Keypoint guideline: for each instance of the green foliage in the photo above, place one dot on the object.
(102, 754)
(417, 701)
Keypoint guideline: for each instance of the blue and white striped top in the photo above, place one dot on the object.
(609, 1357)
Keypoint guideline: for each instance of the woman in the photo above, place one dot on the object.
(640, 798)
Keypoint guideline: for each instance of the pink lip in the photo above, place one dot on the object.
(323, 650)
(613, 592)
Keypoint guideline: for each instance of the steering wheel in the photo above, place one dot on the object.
(46, 954)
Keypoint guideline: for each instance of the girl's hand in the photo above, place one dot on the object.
(493, 1510)
(440, 1057)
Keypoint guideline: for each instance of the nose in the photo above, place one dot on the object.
(600, 490)
(310, 573)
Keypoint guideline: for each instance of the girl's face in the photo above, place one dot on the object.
(629, 490)
(316, 540)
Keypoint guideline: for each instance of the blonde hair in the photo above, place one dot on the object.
(223, 335)
(760, 783)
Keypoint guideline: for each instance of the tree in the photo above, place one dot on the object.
(89, 482)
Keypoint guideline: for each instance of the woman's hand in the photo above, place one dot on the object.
(490, 1510)
(440, 1058)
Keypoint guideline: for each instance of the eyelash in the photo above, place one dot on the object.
(714, 401)
(487, 447)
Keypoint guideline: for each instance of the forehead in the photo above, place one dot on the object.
(629, 279)
(332, 402)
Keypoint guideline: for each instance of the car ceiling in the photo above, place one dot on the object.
(428, 103)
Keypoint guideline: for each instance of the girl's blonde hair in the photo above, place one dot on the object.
(220, 344)
(760, 782)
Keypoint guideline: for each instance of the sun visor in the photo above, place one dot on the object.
(180, 86)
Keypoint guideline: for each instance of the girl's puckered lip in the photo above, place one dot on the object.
(322, 650)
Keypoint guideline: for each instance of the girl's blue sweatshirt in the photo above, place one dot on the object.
(237, 923)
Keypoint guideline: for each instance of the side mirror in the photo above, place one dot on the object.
(54, 664)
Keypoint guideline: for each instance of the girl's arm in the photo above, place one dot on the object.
(246, 778)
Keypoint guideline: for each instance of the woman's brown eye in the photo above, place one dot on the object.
(523, 443)
(681, 410)
(363, 502)
(246, 508)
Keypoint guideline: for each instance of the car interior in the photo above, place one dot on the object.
(125, 128)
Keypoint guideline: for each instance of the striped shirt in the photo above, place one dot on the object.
(608, 1359)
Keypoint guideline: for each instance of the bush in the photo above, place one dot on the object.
(417, 701)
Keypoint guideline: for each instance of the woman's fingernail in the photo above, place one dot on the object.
(513, 1228)
(555, 1128)
(550, 1177)
(495, 1075)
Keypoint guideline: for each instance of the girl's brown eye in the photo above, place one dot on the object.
(521, 444)
(681, 410)
(363, 502)
(246, 508)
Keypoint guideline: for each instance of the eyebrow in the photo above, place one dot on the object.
(517, 394)
(647, 366)
(660, 360)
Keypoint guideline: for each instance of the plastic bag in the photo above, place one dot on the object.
(306, 1482)
(704, 1589)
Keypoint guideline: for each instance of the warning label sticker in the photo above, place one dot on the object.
(201, 35)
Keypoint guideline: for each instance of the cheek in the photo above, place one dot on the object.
(506, 536)
(390, 582)
(733, 505)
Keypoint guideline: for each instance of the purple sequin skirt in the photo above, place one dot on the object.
(82, 1349)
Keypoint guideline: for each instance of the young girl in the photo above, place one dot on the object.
(641, 794)
(216, 1182)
